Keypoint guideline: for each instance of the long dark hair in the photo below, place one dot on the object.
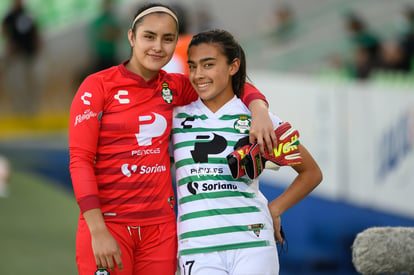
(230, 48)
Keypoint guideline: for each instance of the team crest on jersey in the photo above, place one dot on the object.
(242, 125)
(102, 272)
(256, 228)
(166, 93)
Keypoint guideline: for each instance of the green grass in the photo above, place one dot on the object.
(37, 227)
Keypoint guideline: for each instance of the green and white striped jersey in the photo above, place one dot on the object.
(216, 212)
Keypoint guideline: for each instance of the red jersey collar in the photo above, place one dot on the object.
(153, 81)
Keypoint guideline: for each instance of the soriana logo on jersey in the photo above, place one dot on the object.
(128, 170)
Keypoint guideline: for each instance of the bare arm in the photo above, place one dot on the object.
(104, 246)
(309, 176)
(262, 128)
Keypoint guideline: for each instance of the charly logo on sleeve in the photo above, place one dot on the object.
(85, 98)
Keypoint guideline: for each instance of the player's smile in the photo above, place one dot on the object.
(203, 85)
(156, 56)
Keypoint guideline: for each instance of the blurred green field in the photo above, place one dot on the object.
(37, 227)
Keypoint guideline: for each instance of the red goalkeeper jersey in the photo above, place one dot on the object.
(118, 142)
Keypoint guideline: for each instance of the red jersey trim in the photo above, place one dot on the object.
(89, 202)
(251, 93)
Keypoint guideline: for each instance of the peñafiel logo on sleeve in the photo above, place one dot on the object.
(87, 114)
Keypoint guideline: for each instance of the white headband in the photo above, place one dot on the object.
(152, 10)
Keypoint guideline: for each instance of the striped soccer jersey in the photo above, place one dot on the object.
(216, 212)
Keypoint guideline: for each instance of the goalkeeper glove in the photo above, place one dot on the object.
(247, 159)
(234, 160)
(286, 152)
(253, 162)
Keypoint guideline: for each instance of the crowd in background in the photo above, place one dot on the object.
(23, 86)
(368, 53)
(371, 53)
(22, 47)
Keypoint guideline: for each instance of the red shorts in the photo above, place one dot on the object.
(145, 250)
